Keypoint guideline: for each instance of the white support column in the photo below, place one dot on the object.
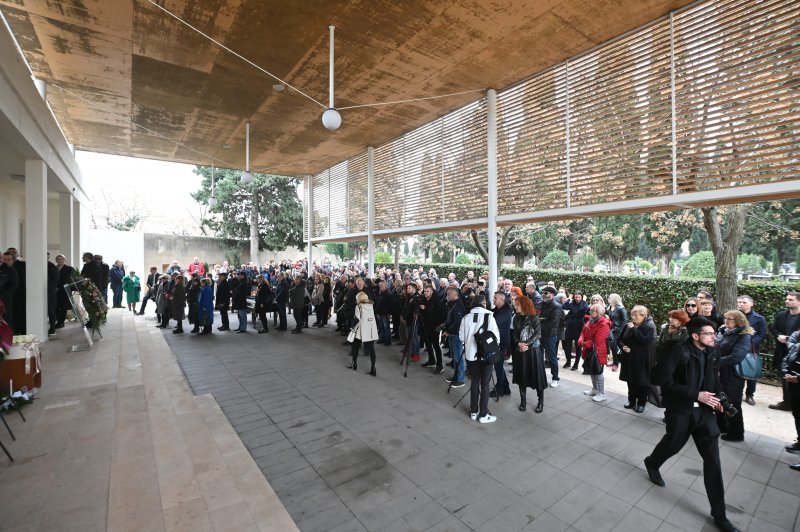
(65, 226)
(36, 247)
(371, 210)
(77, 251)
(491, 210)
(310, 184)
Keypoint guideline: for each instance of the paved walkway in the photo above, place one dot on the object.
(346, 451)
(117, 441)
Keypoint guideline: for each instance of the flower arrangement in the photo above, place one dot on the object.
(96, 308)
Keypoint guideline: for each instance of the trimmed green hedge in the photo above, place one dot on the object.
(658, 294)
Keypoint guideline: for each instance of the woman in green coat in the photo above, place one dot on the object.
(132, 289)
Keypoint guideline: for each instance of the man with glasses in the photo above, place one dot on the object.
(689, 378)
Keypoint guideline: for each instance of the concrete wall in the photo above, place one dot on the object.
(161, 250)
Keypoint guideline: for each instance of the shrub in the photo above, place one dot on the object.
(383, 256)
(463, 258)
(658, 294)
(586, 261)
(748, 263)
(699, 266)
(557, 259)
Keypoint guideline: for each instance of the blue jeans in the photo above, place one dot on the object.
(457, 350)
(550, 344)
(384, 329)
(117, 290)
(242, 314)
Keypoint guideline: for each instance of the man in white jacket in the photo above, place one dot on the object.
(481, 373)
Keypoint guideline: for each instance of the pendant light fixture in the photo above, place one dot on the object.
(331, 118)
(247, 177)
(212, 201)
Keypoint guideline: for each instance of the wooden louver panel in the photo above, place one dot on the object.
(738, 97)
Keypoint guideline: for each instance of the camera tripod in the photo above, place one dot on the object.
(410, 341)
(494, 385)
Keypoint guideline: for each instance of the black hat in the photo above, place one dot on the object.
(549, 289)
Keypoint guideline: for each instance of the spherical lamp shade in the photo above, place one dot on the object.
(331, 119)
(212, 201)
(247, 178)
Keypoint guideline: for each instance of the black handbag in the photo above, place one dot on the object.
(592, 364)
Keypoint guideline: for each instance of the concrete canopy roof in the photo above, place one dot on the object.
(125, 63)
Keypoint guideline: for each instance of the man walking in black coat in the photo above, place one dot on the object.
(152, 282)
(689, 378)
(9, 284)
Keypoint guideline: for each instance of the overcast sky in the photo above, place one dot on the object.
(159, 191)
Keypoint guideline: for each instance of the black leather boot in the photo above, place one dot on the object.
(522, 402)
(539, 406)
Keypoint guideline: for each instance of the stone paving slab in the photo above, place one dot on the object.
(346, 451)
(117, 441)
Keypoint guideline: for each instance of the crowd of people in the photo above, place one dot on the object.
(688, 365)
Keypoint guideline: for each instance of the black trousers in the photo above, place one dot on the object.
(322, 313)
(223, 317)
(794, 396)
(567, 346)
(281, 316)
(479, 387)
(701, 425)
(262, 315)
(433, 348)
(637, 395)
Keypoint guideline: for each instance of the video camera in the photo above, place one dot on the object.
(727, 407)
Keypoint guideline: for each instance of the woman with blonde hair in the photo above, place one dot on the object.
(619, 317)
(638, 342)
(734, 341)
(366, 332)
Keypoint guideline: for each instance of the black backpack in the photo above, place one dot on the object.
(488, 346)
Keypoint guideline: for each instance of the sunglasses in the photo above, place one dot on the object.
(691, 305)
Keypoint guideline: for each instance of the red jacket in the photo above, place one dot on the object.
(199, 268)
(595, 334)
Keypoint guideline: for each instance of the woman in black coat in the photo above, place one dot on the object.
(265, 296)
(432, 314)
(526, 352)
(638, 342)
(192, 298)
(576, 309)
(734, 341)
(178, 303)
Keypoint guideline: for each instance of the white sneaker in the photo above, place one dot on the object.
(590, 393)
(554, 384)
(473, 416)
(599, 397)
(488, 418)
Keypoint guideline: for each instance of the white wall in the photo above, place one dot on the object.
(12, 212)
(117, 245)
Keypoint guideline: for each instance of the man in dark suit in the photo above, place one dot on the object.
(223, 301)
(9, 284)
(105, 277)
(52, 294)
(20, 301)
(152, 288)
(784, 324)
(689, 378)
